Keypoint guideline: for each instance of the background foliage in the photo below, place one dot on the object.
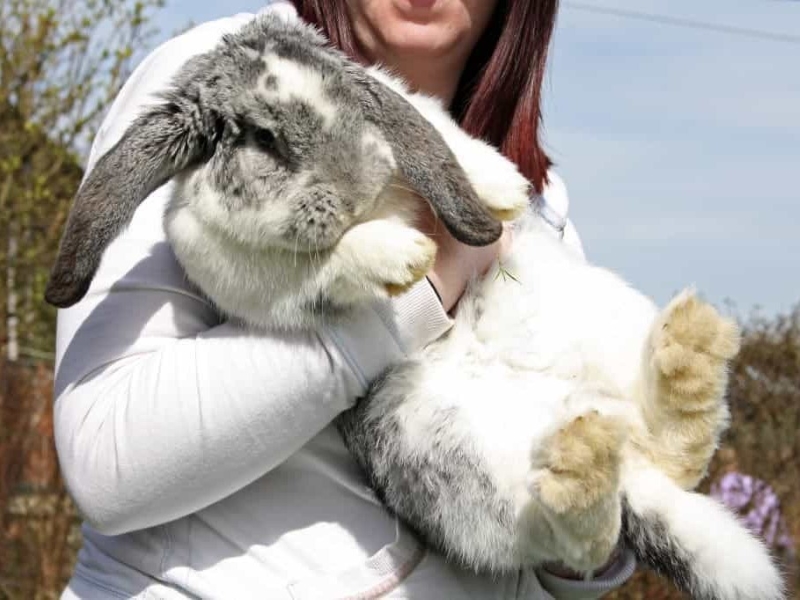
(61, 63)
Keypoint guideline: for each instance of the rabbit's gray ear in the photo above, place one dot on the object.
(157, 145)
(429, 166)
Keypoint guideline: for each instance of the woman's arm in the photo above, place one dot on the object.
(159, 433)
(162, 410)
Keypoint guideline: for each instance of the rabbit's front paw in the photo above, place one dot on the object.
(501, 187)
(495, 179)
(691, 346)
(406, 263)
(380, 258)
(576, 479)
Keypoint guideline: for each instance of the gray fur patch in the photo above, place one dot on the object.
(427, 489)
(651, 542)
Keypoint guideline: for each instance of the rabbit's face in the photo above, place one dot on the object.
(296, 171)
(273, 139)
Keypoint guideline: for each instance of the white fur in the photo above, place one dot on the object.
(250, 226)
(298, 82)
(373, 142)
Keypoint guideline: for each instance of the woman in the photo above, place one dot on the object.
(202, 456)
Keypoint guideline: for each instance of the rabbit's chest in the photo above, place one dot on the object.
(530, 326)
(554, 315)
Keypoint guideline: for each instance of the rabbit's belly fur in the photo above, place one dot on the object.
(543, 308)
(526, 357)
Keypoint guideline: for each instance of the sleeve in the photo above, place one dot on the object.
(576, 589)
(161, 409)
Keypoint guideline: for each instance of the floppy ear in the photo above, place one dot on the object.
(428, 164)
(157, 145)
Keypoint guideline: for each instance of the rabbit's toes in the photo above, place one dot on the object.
(407, 264)
(691, 346)
(579, 465)
(376, 258)
(501, 187)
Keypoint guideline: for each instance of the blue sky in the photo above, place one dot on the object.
(680, 147)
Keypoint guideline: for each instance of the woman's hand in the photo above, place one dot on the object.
(455, 263)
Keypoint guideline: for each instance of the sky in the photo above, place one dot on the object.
(680, 146)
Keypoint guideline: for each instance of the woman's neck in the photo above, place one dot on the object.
(422, 76)
(437, 78)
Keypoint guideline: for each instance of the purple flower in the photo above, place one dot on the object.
(758, 506)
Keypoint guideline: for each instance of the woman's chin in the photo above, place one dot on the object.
(415, 38)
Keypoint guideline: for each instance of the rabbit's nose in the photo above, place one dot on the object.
(320, 217)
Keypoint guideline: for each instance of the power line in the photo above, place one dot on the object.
(681, 22)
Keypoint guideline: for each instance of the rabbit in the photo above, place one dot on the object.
(295, 172)
(562, 412)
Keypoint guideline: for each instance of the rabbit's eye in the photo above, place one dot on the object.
(265, 139)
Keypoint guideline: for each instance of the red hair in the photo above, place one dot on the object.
(499, 95)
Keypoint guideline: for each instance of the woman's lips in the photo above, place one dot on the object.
(419, 11)
(421, 3)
